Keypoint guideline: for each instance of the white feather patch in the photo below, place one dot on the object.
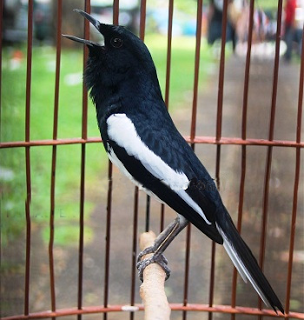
(113, 158)
(123, 132)
(239, 265)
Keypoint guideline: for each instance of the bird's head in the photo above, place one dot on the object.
(122, 56)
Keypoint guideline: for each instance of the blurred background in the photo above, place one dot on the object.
(15, 18)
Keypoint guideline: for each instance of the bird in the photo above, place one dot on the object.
(141, 139)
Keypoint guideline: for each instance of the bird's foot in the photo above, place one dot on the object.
(160, 259)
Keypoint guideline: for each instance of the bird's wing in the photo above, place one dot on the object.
(148, 170)
(122, 131)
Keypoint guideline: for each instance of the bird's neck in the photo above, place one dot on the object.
(112, 97)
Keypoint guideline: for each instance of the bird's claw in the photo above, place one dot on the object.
(160, 259)
(144, 252)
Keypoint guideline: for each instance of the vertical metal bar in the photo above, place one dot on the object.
(108, 238)
(221, 75)
(162, 218)
(109, 202)
(1, 32)
(81, 228)
(296, 184)
(115, 11)
(275, 71)
(148, 202)
(199, 15)
(29, 70)
(244, 149)
(187, 268)
(58, 64)
(84, 90)
(142, 25)
(301, 96)
(82, 168)
(52, 231)
(134, 249)
(271, 131)
(169, 46)
(212, 276)
(167, 87)
(218, 136)
(142, 28)
(27, 157)
(270, 148)
(134, 245)
(54, 158)
(247, 71)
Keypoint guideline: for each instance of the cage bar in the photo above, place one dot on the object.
(296, 183)
(54, 159)
(28, 159)
(244, 149)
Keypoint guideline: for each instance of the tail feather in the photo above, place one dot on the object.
(246, 264)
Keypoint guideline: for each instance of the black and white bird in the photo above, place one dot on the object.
(142, 140)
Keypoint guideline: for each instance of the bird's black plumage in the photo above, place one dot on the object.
(141, 138)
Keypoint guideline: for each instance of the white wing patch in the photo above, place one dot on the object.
(238, 263)
(113, 158)
(122, 130)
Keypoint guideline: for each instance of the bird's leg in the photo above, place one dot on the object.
(160, 244)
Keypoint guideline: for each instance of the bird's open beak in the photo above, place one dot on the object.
(94, 22)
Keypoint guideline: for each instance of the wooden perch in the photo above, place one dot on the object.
(152, 290)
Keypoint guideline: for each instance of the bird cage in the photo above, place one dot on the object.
(70, 222)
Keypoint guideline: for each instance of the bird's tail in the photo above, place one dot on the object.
(245, 262)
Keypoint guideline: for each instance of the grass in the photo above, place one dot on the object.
(268, 4)
(12, 168)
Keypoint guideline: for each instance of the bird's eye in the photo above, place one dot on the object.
(116, 42)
